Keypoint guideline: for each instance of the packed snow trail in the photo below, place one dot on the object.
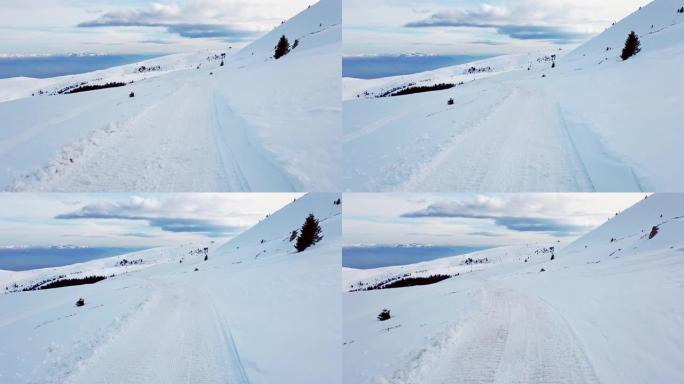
(190, 140)
(511, 338)
(178, 337)
(522, 145)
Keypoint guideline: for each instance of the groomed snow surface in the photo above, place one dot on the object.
(254, 312)
(254, 124)
(592, 123)
(607, 309)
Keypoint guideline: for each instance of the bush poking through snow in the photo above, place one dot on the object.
(310, 233)
(295, 44)
(450, 102)
(654, 232)
(282, 48)
(542, 270)
(293, 235)
(80, 302)
(222, 63)
(206, 257)
(680, 10)
(337, 202)
(632, 46)
(132, 94)
(384, 315)
(196, 269)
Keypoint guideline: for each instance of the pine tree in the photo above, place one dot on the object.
(384, 315)
(632, 46)
(282, 48)
(309, 235)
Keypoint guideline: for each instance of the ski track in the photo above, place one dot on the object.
(511, 339)
(191, 344)
(531, 151)
(184, 143)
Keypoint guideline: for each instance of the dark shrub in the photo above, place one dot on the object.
(282, 48)
(654, 232)
(632, 46)
(309, 235)
(450, 102)
(206, 257)
(222, 63)
(337, 202)
(384, 315)
(196, 269)
(132, 94)
(293, 235)
(295, 44)
(542, 270)
(80, 302)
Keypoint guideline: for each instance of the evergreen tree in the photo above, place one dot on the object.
(282, 48)
(632, 46)
(309, 234)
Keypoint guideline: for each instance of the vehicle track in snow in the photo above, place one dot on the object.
(189, 141)
(521, 146)
(511, 338)
(178, 337)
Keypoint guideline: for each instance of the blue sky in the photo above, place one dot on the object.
(130, 220)
(476, 220)
(136, 26)
(475, 26)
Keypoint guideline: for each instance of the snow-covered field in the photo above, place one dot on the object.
(254, 312)
(591, 123)
(254, 124)
(607, 309)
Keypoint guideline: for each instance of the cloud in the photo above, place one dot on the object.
(523, 22)
(166, 216)
(238, 20)
(537, 215)
(168, 17)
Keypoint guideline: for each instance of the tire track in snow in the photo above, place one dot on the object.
(520, 146)
(511, 338)
(177, 338)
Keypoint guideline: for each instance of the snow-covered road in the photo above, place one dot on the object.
(511, 338)
(179, 336)
(521, 145)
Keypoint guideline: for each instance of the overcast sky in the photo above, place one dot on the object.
(137, 26)
(130, 220)
(475, 220)
(475, 26)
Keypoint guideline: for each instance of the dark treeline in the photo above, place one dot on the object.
(72, 282)
(86, 88)
(423, 88)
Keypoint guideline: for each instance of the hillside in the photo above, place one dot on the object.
(543, 121)
(600, 312)
(163, 321)
(252, 124)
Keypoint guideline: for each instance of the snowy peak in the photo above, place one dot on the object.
(657, 24)
(319, 24)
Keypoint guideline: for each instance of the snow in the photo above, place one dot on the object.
(580, 126)
(254, 312)
(254, 124)
(602, 311)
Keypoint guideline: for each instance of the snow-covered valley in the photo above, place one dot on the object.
(543, 121)
(254, 311)
(195, 121)
(606, 309)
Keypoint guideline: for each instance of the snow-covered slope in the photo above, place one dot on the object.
(254, 312)
(593, 316)
(253, 124)
(524, 126)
